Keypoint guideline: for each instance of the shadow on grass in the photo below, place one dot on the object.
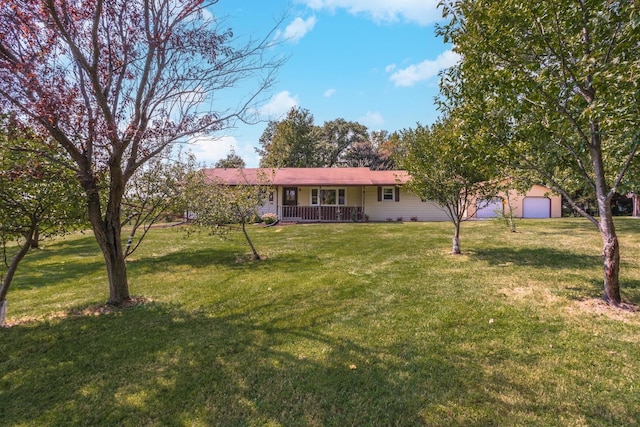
(555, 259)
(629, 290)
(158, 365)
(62, 260)
(232, 258)
(536, 257)
(77, 245)
(173, 368)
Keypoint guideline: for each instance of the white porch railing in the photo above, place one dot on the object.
(322, 213)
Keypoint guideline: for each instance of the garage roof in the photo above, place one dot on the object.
(308, 176)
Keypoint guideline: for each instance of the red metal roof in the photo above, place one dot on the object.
(309, 176)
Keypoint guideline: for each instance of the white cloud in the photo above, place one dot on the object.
(372, 120)
(329, 93)
(390, 68)
(209, 149)
(425, 70)
(298, 28)
(279, 105)
(207, 16)
(422, 12)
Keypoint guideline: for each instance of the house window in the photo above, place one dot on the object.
(388, 193)
(328, 196)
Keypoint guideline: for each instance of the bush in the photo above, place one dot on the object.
(269, 218)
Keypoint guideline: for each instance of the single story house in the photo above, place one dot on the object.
(337, 194)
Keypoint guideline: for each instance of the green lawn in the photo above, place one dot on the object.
(339, 325)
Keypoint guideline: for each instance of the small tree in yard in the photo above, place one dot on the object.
(37, 199)
(153, 193)
(445, 169)
(219, 207)
(114, 83)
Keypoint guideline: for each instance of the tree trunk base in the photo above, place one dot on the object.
(455, 250)
(611, 301)
(121, 303)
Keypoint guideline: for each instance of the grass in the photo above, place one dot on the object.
(339, 325)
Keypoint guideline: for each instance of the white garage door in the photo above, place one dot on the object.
(536, 207)
(489, 208)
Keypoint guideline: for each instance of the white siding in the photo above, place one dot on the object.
(354, 196)
(408, 207)
(270, 206)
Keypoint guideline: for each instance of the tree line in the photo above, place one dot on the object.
(296, 141)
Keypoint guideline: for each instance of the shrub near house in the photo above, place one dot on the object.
(269, 218)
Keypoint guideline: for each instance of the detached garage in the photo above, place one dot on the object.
(538, 202)
(489, 208)
(536, 207)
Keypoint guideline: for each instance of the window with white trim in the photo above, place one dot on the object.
(388, 194)
(328, 196)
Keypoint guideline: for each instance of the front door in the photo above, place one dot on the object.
(290, 196)
(290, 202)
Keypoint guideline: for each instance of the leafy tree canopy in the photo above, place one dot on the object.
(553, 87)
(154, 193)
(218, 206)
(38, 198)
(291, 142)
(296, 141)
(445, 167)
(115, 83)
(232, 161)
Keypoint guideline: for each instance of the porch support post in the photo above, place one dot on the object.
(363, 197)
(320, 204)
(278, 209)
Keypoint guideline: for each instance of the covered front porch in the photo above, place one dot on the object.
(320, 203)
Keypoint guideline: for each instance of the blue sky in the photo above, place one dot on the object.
(370, 61)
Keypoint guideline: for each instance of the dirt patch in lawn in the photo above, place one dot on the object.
(625, 312)
(93, 310)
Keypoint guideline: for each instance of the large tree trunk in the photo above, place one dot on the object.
(6, 281)
(108, 231)
(610, 256)
(610, 246)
